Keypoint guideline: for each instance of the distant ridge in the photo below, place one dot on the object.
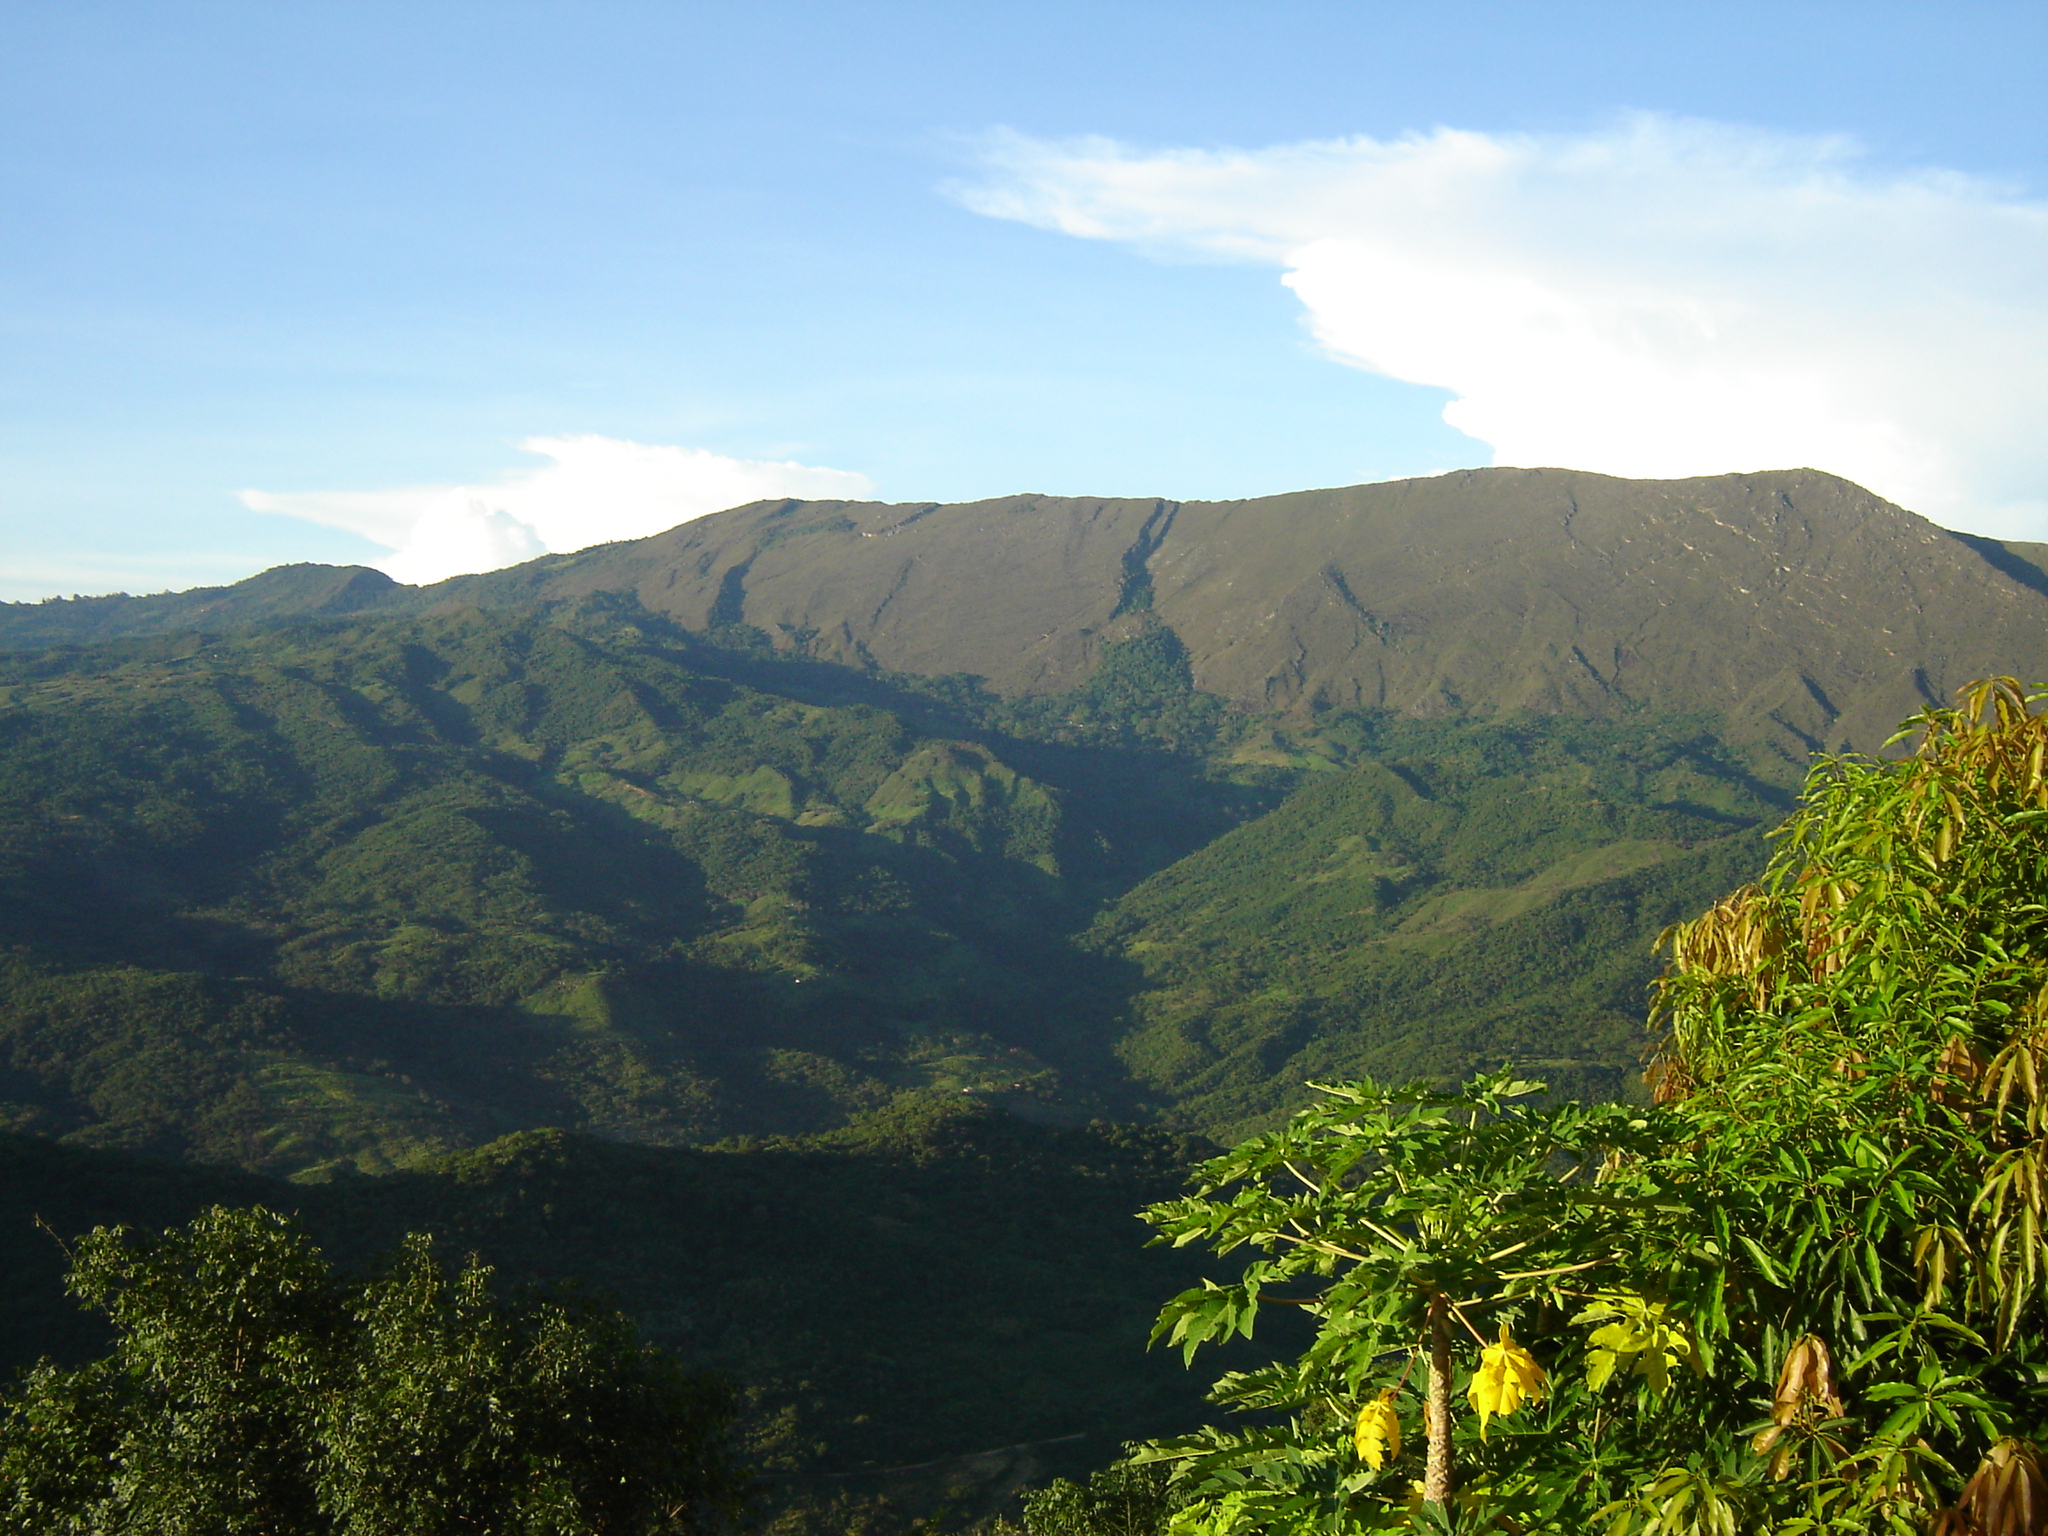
(283, 591)
(1803, 608)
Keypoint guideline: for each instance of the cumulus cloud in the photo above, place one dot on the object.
(592, 490)
(1661, 298)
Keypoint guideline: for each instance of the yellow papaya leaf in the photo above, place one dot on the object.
(1377, 1434)
(1508, 1376)
(1654, 1364)
(1649, 1340)
(1600, 1364)
(1622, 1338)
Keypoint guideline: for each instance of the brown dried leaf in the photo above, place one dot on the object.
(1806, 1381)
(2007, 1495)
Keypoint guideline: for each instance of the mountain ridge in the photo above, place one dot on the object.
(1809, 611)
(302, 590)
(1793, 599)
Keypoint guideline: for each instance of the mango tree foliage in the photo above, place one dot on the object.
(1800, 1292)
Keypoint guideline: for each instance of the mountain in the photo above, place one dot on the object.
(1803, 608)
(707, 834)
(1807, 611)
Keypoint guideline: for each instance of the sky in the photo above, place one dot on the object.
(442, 286)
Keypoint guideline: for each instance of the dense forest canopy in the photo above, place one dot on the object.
(351, 893)
(942, 1279)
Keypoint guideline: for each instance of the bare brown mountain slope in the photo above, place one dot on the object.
(1793, 600)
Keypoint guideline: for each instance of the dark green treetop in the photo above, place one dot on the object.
(253, 1391)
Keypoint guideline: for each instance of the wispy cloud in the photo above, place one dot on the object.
(1664, 298)
(593, 490)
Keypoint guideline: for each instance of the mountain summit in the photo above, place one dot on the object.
(1793, 601)
(1803, 610)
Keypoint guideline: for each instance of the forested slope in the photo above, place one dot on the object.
(283, 592)
(348, 894)
(1473, 892)
(354, 893)
(936, 1281)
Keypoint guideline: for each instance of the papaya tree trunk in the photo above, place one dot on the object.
(1436, 1484)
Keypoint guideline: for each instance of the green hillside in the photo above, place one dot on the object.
(1471, 893)
(355, 893)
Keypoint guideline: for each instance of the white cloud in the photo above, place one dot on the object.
(1663, 298)
(596, 489)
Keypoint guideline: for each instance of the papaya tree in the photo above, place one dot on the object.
(1799, 1291)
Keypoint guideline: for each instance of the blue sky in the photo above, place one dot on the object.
(322, 252)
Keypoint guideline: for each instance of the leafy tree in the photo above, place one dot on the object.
(1800, 1293)
(254, 1391)
(1127, 1499)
